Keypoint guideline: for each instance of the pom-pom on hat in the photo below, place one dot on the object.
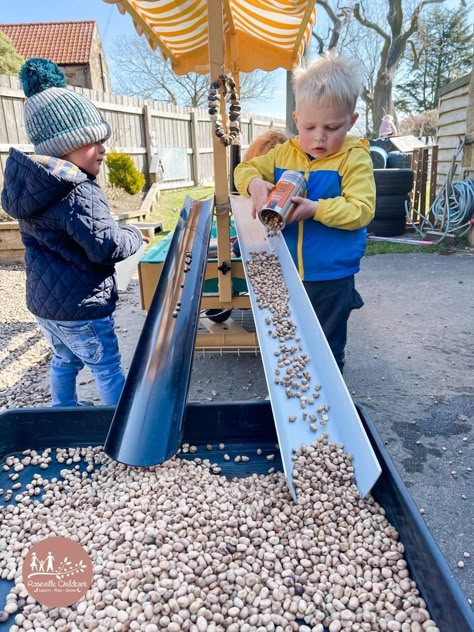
(57, 119)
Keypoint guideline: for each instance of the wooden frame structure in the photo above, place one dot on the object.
(424, 163)
(224, 55)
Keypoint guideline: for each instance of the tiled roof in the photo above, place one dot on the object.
(62, 42)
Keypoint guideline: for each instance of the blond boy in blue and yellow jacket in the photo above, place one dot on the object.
(327, 234)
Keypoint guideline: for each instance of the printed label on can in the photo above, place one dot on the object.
(279, 206)
(280, 195)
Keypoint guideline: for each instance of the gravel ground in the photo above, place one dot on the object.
(410, 362)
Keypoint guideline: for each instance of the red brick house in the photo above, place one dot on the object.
(74, 46)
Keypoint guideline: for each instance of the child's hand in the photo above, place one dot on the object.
(304, 209)
(259, 190)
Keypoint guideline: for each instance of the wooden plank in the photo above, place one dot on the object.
(148, 141)
(216, 64)
(26, 149)
(114, 107)
(433, 179)
(195, 148)
(452, 116)
(12, 113)
(6, 91)
(170, 115)
(417, 164)
(423, 180)
(452, 129)
(135, 151)
(453, 102)
(447, 144)
(455, 85)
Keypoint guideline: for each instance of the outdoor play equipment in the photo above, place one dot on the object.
(147, 426)
(151, 419)
(223, 38)
(242, 428)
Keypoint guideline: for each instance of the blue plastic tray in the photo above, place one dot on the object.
(243, 427)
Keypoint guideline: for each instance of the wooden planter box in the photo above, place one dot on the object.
(11, 246)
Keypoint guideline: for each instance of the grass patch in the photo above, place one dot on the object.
(171, 203)
(387, 247)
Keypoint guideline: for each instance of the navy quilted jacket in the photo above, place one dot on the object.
(71, 241)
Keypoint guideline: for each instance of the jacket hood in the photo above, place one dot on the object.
(350, 142)
(35, 183)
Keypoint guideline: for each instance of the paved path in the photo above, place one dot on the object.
(410, 361)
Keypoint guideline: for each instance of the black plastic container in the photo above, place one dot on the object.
(242, 427)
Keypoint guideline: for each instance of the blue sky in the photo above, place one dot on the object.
(113, 25)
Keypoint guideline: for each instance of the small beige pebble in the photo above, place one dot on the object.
(460, 564)
(11, 607)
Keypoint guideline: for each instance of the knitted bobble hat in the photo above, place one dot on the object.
(57, 119)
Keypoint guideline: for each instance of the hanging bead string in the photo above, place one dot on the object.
(232, 134)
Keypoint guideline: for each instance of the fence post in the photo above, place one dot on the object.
(148, 126)
(195, 148)
(251, 130)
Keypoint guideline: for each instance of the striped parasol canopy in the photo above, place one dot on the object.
(265, 34)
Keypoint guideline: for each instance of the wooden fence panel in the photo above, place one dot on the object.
(170, 127)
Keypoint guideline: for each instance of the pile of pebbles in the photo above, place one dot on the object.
(291, 371)
(178, 548)
(24, 353)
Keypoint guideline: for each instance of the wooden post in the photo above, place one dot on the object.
(195, 148)
(251, 130)
(290, 104)
(424, 177)
(217, 67)
(148, 126)
(416, 164)
(433, 179)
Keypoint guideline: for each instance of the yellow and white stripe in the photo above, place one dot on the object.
(268, 34)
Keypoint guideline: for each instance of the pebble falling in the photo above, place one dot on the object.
(179, 548)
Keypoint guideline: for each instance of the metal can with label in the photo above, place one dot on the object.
(278, 206)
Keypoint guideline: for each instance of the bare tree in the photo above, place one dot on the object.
(140, 71)
(339, 32)
(339, 17)
(395, 39)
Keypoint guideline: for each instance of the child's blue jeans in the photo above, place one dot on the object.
(76, 343)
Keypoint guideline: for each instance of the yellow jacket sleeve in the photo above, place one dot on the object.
(259, 167)
(355, 208)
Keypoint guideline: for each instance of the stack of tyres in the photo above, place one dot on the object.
(392, 187)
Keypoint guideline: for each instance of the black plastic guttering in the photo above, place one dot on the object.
(148, 423)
